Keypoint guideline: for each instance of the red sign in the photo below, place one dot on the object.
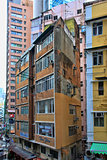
(11, 115)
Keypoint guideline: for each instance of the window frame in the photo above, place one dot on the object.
(97, 58)
(97, 28)
(101, 88)
(98, 119)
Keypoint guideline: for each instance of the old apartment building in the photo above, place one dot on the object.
(48, 110)
(70, 9)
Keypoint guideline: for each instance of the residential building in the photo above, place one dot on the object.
(48, 107)
(19, 34)
(57, 99)
(73, 9)
(96, 49)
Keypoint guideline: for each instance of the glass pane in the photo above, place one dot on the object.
(94, 31)
(99, 30)
(102, 121)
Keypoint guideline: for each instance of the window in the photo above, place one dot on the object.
(15, 57)
(27, 144)
(24, 92)
(44, 62)
(16, 39)
(99, 119)
(82, 128)
(13, 63)
(81, 69)
(25, 10)
(24, 28)
(17, 94)
(17, 79)
(35, 36)
(98, 58)
(46, 129)
(24, 46)
(24, 17)
(72, 109)
(80, 40)
(74, 90)
(16, 21)
(16, 45)
(101, 88)
(25, 110)
(81, 83)
(12, 69)
(12, 75)
(12, 106)
(25, 75)
(45, 84)
(79, 11)
(80, 54)
(46, 106)
(97, 28)
(82, 113)
(48, 40)
(54, 154)
(43, 150)
(24, 59)
(55, 17)
(24, 127)
(16, 27)
(16, 15)
(81, 98)
(47, 17)
(17, 125)
(12, 100)
(12, 87)
(72, 130)
(24, 40)
(24, 34)
(16, 51)
(12, 94)
(12, 81)
(16, 9)
(24, 22)
(17, 110)
(16, 33)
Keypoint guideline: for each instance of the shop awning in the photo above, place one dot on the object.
(21, 152)
(100, 148)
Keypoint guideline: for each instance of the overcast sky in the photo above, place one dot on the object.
(3, 23)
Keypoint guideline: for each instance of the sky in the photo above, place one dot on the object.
(3, 32)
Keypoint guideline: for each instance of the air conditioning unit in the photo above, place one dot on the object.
(76, 127)
(88, 153)
(74, 68)
(50, 155)
(76, 119)
(101, 114)
(51, 62)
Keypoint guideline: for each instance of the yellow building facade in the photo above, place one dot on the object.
(96, 48)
